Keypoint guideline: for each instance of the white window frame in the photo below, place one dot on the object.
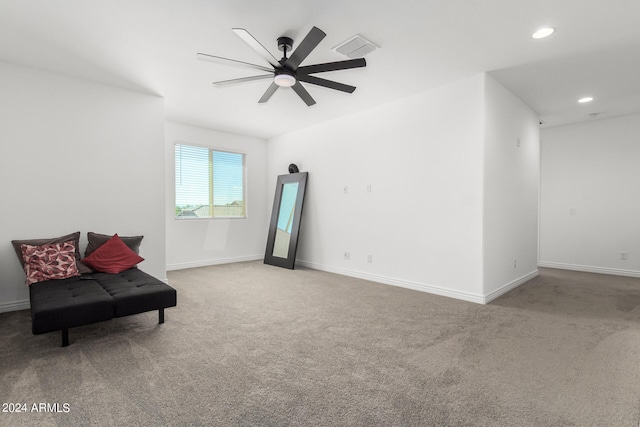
(211, 184)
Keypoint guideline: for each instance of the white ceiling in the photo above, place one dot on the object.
(151, 46)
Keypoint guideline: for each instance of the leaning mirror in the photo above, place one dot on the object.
(282, 242)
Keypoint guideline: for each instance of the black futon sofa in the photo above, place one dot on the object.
(57, 305)
(65, 292)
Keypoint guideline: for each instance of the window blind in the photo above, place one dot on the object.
(209, 183)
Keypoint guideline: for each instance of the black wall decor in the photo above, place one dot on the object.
(282, 242)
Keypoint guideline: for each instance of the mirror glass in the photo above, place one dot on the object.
(285, 220)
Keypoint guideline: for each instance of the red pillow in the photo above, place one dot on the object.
(46, 262)
(112, 257)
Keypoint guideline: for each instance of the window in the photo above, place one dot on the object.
(209, 183)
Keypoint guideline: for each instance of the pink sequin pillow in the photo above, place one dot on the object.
(53, 261)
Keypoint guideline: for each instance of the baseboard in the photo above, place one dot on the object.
(14, 306)
(510, 286)
(590, 269)
(206, 263)
(436, 290)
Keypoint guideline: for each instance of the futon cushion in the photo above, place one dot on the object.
(134, 291)
(61, 304)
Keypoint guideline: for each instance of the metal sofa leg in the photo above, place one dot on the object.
(65, 337)
(161, 315)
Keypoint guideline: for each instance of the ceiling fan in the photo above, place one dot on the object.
(287, 71)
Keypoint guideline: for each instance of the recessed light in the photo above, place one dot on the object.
(585, 99)
(543, 32)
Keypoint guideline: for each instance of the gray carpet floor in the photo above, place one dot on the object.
(256, 345)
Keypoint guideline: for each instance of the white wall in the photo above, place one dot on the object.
(77, 156)
(422, 221)
(193, 243)
(592, 167)
(511, 181)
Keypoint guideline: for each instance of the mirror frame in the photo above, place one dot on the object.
(290, 260)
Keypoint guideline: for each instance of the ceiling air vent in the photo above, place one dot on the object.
(356, 47)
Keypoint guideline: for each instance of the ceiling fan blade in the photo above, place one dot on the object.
(256, 46)
(311, 40)
(270, 91)
(224, 83)
(326, 83)
(333, 66)
(233, 62)
(302, 93)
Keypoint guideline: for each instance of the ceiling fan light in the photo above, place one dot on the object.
(284, 80)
